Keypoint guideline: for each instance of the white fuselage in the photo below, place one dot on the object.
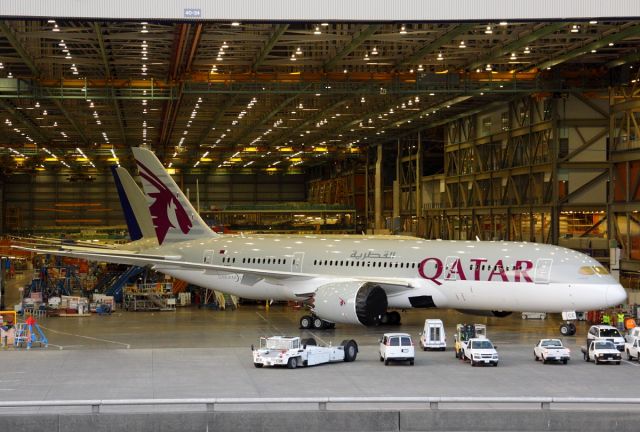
(494, 276)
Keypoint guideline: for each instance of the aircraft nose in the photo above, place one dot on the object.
(616, 295)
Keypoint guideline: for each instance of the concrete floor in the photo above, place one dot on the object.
(203, 353)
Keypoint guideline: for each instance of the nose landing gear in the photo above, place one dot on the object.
(568, 329)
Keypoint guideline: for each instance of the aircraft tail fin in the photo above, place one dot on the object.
(173, 216)
(134, 205)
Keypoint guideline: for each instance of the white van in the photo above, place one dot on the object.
(433, 336)
(397, 347)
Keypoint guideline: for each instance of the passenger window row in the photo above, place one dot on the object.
(228, 260)
(282, 261)
(363, 264)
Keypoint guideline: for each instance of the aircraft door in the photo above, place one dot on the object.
(207, 257)
(296, 263)
(543, 270)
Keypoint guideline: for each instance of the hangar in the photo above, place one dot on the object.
(485, 121)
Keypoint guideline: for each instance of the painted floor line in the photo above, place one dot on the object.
(86, 337)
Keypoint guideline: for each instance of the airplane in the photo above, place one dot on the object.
(357, 279)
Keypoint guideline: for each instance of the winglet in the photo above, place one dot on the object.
(173, 216)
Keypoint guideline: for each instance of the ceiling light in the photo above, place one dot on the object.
(593, 22)
(440, 57)
(293, 57)
(504, 23)
(144, 29)
(420, 68)
(366, 56)
(527, 50)
(224, 45)
(298, 51)
(317, 31)
(55, 28)
(513, 56)
(403, 29)
(218, 58)
(575, 28)
(488, 67)
(362, 99)
(235, 24)
(488, 30)
(374, 51)
(593, 51)
(611, 44)
(462, 45)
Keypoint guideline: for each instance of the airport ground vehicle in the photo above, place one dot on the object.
(632, 335)
(633, 349)
(606, 332)
(293, 352)
(397, 347)
(551, 350)
(601, 351)
(433, 336)
(480, 351)
(464, 332)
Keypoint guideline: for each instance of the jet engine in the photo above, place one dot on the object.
(498, 314)
(350, 302)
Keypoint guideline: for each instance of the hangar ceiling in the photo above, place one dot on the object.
(274, 96)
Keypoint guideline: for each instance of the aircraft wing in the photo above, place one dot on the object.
(163, 263)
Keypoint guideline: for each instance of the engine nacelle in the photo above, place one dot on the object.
(350, 302)
(498, 314)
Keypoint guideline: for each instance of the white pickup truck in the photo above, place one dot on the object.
(480, 351)
(633, 349)
(551, 350)
(601, 351)
(293, 352)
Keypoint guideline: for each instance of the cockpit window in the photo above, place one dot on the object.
(601, 270)
(586, 270)
(590, 270)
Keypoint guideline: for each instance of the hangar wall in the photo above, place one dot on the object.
(66, 202)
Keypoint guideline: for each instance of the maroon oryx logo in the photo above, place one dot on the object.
(164, 202)
(342, 302)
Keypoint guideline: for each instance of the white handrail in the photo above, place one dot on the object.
(543, 402)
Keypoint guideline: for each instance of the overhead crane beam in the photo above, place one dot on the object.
(37, 132)
(631, 58)
(71, 120)
(628, 32)
(170, 110)
(107, 72)
(316, 117)
(214, 122)
(365, 34)
(523, 41)
(15, 43)
(266, 118)
(266, 49)
(434, 45)
(26, 58)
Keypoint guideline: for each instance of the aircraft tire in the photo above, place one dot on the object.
(572, 329)
(258, 365)
(394, 318)
(565, 330)
(306, 322)
(318, 324)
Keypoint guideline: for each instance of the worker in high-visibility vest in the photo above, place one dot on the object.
(620, 321)
(606, 319)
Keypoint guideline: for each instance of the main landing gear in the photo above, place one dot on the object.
(313, 322)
